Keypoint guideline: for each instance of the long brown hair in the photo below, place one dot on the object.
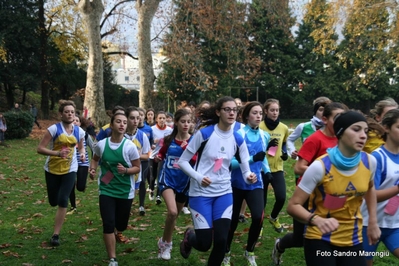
(178, 115)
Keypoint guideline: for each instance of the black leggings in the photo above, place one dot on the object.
(202, 240)
(115, 213)
(142, 189)
(294, 239)
(254, 200)
(278, 184)
(81, 180)
(320, 252)
(59, 187)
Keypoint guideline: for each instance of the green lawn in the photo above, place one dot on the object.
(26, 221)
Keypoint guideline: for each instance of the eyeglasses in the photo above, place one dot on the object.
(228, 109)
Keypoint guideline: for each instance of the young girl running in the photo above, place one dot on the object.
(315, 146)
(83, 167)
(173, 182)
(304, 130)
(62, 162)
(335, 185)
(210, 186)
(278, 132)
(150, 117)
(140, 139)
(120, 162)
(256, 140)
(159, 130)
(374, 139)
(386, 182)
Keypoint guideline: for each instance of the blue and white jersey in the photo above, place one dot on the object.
(171, 175)
(256, 140)
(214, 161)
(386, 176)
(86, 162)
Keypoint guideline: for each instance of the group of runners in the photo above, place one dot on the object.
(221, 158)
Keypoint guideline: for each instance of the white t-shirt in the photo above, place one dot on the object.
(214, 162)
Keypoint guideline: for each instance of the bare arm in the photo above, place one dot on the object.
(300, 166)
(373, 231)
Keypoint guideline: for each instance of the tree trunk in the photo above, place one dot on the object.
(91, 11)
(9, 95)
(44, 104)
(146, 10)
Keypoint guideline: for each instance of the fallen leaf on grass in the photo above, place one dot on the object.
(27, 264)
(37, 215)
(66, 261)
(11, 254)
(91, 229)
(5, 245)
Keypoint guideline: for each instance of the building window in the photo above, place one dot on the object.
(138, 78)
(126, 78)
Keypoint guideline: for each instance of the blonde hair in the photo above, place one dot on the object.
(381, 105)
(269, 102)
(321, 100)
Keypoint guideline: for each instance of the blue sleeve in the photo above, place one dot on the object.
(101, 135)
(378, 171)
(265, 163)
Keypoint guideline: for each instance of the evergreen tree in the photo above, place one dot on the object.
(272, 41)
(365, 53)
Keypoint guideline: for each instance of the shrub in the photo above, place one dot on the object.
(19, 124)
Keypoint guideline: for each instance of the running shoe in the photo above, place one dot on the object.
(141, 211)
(276, 254)
(276, 225)
(185, 247)
(185, 210)
(55, 240)
(250, 257)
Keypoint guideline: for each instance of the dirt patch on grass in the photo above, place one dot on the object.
(37, 133)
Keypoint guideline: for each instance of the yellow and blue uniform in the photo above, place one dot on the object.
(60, 139)
(349, 216)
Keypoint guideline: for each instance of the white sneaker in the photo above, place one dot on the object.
(250, 256)
(158, 200)
(151, 195)
(161, 248)
(185, 210)
(113, 262)
(141, 211)
(167, 250)
(276, 255)
(226, 260)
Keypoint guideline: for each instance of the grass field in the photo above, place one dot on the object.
(26, 222)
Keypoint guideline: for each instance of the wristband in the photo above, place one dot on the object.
(311, 218)
(59, 154)
(125, 170)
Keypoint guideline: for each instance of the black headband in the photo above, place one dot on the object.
(344, 120)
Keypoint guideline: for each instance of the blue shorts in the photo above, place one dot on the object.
(390, 238)
(205, 210)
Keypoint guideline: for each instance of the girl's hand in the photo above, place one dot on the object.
(157, 158)
(82, 157)
(121, 169)
(92, 173)
(206, 181)
(373, 233)
(326, 225)
(64, 152)
(252, 178)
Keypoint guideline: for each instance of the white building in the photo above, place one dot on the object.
(127, 72)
